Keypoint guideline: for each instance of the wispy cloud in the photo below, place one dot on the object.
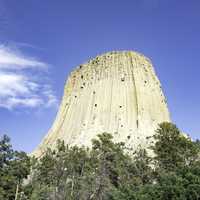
(24, 102)
(17, 87)
(10, 59)
(27, 45)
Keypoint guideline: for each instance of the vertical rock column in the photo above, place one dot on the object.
(118, 93)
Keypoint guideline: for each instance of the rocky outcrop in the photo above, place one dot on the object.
(118, 93)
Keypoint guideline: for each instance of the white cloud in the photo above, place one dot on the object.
(51, 98)
(13, 102)
(14, 84)
(17, 87)
(10, 59)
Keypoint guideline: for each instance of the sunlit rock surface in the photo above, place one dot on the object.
(118, 93)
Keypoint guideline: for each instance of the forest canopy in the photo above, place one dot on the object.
(107, 171)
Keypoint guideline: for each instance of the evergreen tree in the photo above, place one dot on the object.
(107, 171)
(173, 149)
(14, 167)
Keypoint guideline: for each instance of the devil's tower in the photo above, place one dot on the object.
(118, 93)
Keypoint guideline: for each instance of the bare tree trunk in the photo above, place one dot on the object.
(20, 195)
(17, 190)
(72, 189)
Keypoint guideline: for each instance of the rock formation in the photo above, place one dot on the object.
(118, 93)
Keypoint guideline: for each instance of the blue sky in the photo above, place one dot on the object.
(42, 41)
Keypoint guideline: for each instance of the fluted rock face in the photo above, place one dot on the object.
(118, 93)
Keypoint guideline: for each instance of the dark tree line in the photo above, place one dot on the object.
(107, 171)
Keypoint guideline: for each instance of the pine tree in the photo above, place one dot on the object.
(173, 149)
(14, 167)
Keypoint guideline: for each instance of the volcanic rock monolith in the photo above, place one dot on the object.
(118, 93)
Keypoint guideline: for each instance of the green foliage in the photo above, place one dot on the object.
(6, 151)
(108, 171)
(14, 167)
(172, 149)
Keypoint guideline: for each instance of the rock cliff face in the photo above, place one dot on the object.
(118, 93)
